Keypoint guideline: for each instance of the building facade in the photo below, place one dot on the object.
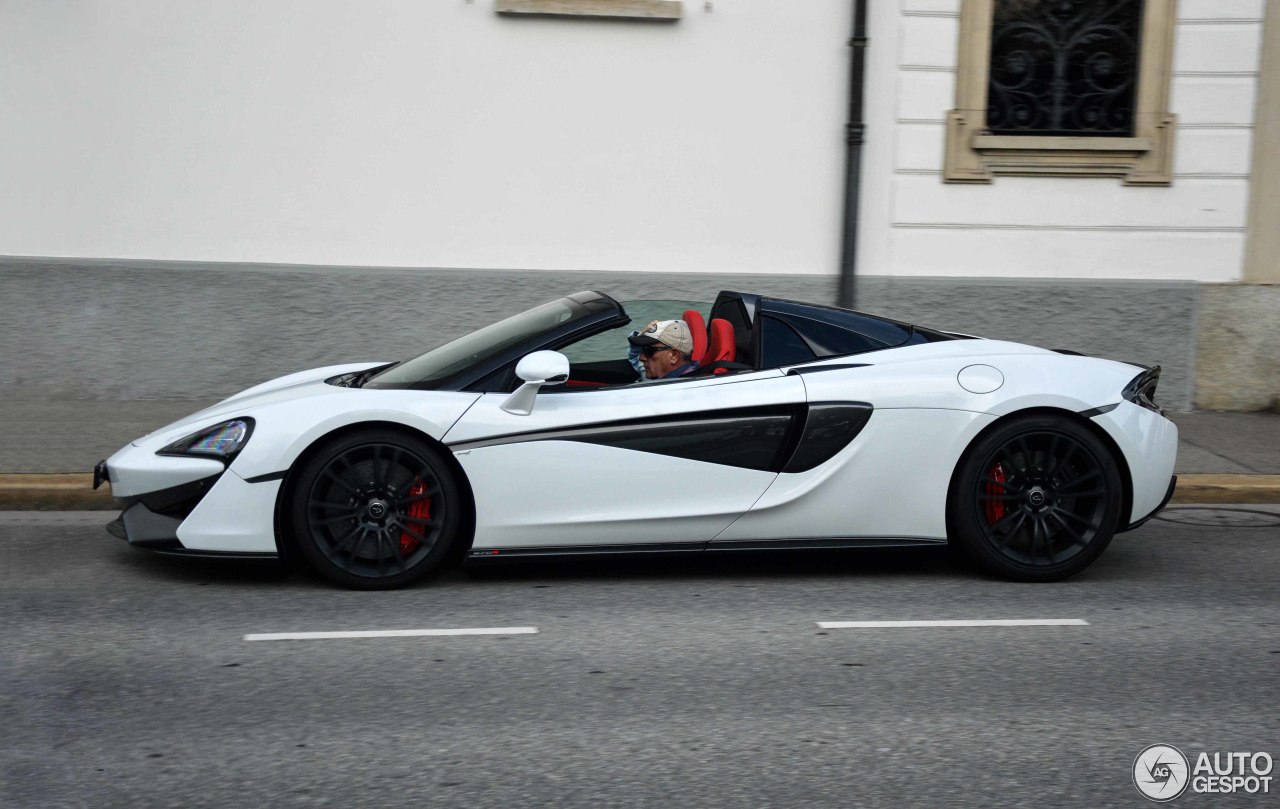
(652, 147)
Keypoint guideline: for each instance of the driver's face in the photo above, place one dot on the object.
(658, 359)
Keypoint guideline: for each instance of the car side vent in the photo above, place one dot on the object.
(1141, 390)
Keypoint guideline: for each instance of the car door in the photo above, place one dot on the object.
(666, 464)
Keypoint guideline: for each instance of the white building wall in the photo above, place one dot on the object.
(426, 133)
(437, 133)
(1061, 227)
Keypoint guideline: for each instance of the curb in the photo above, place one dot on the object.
(74, 492)
(1255, 489)
(54, 492)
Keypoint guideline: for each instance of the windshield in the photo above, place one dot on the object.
(612, 344)
(454, 357)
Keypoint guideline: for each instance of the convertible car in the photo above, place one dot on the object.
(804, 426)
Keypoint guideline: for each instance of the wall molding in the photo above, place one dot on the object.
(1215, 74)
(605, 9)
(1181, 175)
(1071, 228)
(1220, 21)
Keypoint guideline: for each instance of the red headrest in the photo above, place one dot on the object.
(720, 346)
(697, 328)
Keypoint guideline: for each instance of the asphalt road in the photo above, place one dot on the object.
(125, 680)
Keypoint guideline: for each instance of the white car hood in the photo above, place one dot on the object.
(292, 386)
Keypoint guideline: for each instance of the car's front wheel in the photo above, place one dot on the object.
(375, 510)
(1036, 499)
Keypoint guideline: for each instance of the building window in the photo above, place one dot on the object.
(1063, 68)
(1063, 87)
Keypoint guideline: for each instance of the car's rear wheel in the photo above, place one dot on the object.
(1036, 499)
(375, 510)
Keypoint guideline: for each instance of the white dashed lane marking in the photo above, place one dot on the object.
(533, 630)
(395, 633)
(917, 624)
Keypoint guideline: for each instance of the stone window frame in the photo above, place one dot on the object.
(607, 9)
(974, 155)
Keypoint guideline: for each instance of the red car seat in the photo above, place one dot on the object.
(720, 347)
(698, 329)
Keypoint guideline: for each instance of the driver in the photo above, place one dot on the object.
(664, 348)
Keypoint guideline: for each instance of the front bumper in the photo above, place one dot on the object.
(1173, 484)
(151, 520)
(190, 506)
(1149, 442)
(156, 533)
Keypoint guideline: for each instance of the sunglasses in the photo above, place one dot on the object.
(651, 350)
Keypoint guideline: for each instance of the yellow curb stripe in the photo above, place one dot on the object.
(1227, 489)
(54, 492)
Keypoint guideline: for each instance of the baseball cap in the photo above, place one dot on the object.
(674, 333)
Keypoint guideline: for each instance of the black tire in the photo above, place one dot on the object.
(375, 510)
(1036, 499)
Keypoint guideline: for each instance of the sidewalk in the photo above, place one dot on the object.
(48, 449)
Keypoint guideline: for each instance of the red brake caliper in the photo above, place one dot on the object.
(419, 511)
(994, 508)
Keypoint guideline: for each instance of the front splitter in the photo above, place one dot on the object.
(158, 533)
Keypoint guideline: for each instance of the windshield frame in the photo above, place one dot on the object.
(592, 312)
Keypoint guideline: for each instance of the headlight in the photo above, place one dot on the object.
(1141, 390)
(221, 441)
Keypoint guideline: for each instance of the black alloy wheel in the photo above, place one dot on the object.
(1037, 499)
(375, 510)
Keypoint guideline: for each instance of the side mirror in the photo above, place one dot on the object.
(537, 369)
(544, 368)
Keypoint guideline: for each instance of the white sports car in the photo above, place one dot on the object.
(804, 426)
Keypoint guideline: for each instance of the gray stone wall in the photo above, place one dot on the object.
(1238, 350)
(136, 330)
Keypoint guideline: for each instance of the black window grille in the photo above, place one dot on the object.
(1064, 67)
